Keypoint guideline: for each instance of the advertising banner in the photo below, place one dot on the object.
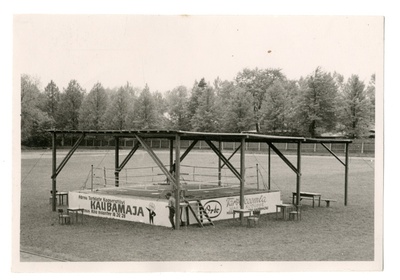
(222, 208)
(155, 211)
(121, 208)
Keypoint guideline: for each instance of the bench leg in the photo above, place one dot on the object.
(293, 215)
(327, 203)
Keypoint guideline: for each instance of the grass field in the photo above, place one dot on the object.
(337, 233)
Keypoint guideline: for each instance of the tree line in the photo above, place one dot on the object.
(261, 100)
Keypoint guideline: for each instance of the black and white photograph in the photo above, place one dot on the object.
(197, 142)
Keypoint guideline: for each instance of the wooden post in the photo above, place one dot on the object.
(105, 177)
(269, 168)
(242, 175)
(126, 176)
(299, 173)
(116, 172)
(91, 178)
(177, 179)
(54, 177)
(171, 155)
(258, 180)
(346, 174)
(219, 164)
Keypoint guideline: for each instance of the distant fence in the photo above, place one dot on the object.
(358, 147)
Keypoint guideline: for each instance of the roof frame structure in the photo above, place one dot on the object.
(175, 136)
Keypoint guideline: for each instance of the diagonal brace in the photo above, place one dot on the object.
(237, 149)
(282, 156)
(68, 156)
(157, 161)
(224, 159)
(129, 156)
(333, 154)
(185, 153)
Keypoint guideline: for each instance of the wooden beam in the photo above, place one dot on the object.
(54, 168)
(282, 156)
(129, 156)
(269, 167)
(237, 149)
(298, 174)
(219, 164)
(177, 181)
(191, 146)
(332, 153)
(170, 178)
(242, 175)
(68, 156)
(116, 164)
(346, 175)
(171, 155)
(223, 158)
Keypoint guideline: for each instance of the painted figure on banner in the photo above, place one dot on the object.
(152, 212)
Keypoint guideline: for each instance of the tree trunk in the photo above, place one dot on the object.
(311, 129)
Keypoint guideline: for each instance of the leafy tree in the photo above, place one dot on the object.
(34, 121)
(160, 105)
(70, 103)
(370, 92)
(145, 110)
(317, 104)
(52, 94)
(119, 110)
(177, 102)
(292, 93)
(274, 109)
(92, 113)
(225, 90)
(339, 81)
(205, 118)
(237, 112)
(256, 82)
(356, 108)
(223, 93)
(196, 93)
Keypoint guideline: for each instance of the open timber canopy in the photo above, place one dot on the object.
(175, 137)
(190, 135)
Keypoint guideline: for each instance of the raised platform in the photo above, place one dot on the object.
(140, 204)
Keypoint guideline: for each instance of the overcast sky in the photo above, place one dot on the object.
(168, 51)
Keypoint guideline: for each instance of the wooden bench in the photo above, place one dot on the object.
(253, 219)
(311, 195)
(328, 201)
